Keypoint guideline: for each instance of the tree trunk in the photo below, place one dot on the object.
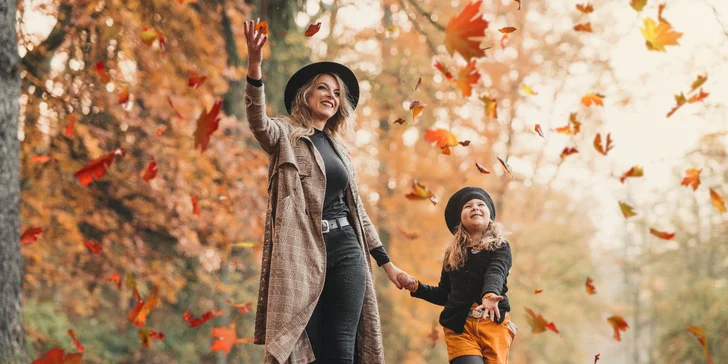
(12, 337)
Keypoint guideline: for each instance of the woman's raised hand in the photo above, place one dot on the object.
(255, 40)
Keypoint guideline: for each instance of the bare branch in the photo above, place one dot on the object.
(427, 15)
(419, 29)
(717, 17)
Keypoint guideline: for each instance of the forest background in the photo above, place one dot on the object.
(181, 209)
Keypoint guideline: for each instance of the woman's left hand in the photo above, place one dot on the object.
(490, 306)
(393, 273)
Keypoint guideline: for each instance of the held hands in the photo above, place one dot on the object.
(490, 306)
(399, 277)
(255, 41)
(407, 282)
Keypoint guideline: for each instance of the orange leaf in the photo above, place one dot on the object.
(660, 35)
(416, 108)
(538, 323)
(464, 32)
(505, 166)
(207, 123)
(598, 144)
(700, 334)
(467, 77)
(482, 169)
(30, 235)
(590, 289)
(444, 71)
(151, 171)
(618, 324)
(407, 235)
(528, 90)
(59, 356)
(146, 335)
(195, 206)
(101, 71)
(138, 316)
(225, 338)
(96, 169)
(680, 100)
(115, 278)
(635, 171)
(399, 121)
(592, 99)
(537, 291)
(195, 322)
(507, 30)
(69, 127)
(78, 345)
(42, 159)
(194, 80)
(661, 234)
(585, 8)
(627, 210)
(93, 246)
(169, 99)
(419, 82)
(243, 308)
(566, 129)
(443, 138)
(699, 81)
(718, 201)
(149, 35)
(567, 152)
(538, 129)
(692, 178)
(699, 97)
(123, 95)
(638, 5)
(420, 192)
(583, 27)
(262, 27)
(490, 107)
(660, 9)
(313, 29)
(161, 129)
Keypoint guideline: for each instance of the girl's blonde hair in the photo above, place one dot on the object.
(340, 126)
(457, 252)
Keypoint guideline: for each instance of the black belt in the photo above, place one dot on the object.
(328, 225)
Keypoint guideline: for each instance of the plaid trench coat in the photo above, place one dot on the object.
(294, 252)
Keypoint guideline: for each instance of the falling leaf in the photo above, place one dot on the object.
(698, 97)
(538, 130)
(444, 139)
(635, 171)
(592, 99)
(151, 171)
(662, 234)
(638, 5)
(194, 80)
(59, 356)
(76, 343)
(399, 121)
(96, 169)
(313, 29)
(537, 291)
(699, 81)
(572, 128)
(444, 71)
(702, 339)
(123, 95)
(408, 235)
(528, 90)
(391, 28)
(43, 159)
(149, 35)
(262, 27)
(490, 107)
(598, 144)
(507, 30)
(618, 324)
(482, 169)
(465, 31)
(505, 166)
(207, 123)
(69, 127)
(596, 358)
(660, 19)
(538, 323)
(627, 210)
(169, 99)
(195, 206)
(416, 108)
(467, 77)
(138, 315)
(225, 338)
(242, 308)
(660, 35)
(718, 201)
(116, 278)
(195, 321)
(161, 129)
(146, 335)
(567, 152)
(419, 82)
(93, 246)
(585, 8)
(583, 27)
(590, 289)
(30, 235)
(519, 4)
(420, 192)
(692, 178)
(101, 71)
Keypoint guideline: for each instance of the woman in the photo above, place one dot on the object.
(473, 282)
(317, 298)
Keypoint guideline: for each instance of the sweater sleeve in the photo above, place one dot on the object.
(265, 130)
(380, 255)
(434, 294)
(497, 271)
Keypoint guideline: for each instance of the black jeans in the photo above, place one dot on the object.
(333, 325)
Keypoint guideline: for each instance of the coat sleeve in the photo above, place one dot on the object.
(369, 231)
(434, 294)
(497, 271)
(266, 130)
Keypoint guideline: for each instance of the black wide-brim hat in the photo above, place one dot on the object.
(314, 69)
(459, 199)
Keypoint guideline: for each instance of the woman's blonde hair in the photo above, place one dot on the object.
(457, 252)
(340, 126)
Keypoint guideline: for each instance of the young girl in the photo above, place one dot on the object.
(473, 282)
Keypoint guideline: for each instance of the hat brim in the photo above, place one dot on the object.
(314, 69)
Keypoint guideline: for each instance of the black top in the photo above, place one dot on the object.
(483, 272)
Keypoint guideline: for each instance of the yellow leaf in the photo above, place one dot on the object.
(627, 210)
(528, 90)
(638, 5)
(660, 35)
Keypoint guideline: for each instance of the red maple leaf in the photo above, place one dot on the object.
(96, 169)
(207, 123)
(464, 32)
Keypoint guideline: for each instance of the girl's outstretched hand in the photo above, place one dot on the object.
(255, 40)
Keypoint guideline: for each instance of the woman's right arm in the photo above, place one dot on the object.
(434, 294)
(266, 131)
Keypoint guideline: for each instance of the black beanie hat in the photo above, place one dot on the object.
(456, 202)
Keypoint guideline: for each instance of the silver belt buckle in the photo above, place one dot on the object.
(325, 228)
(477, 313)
